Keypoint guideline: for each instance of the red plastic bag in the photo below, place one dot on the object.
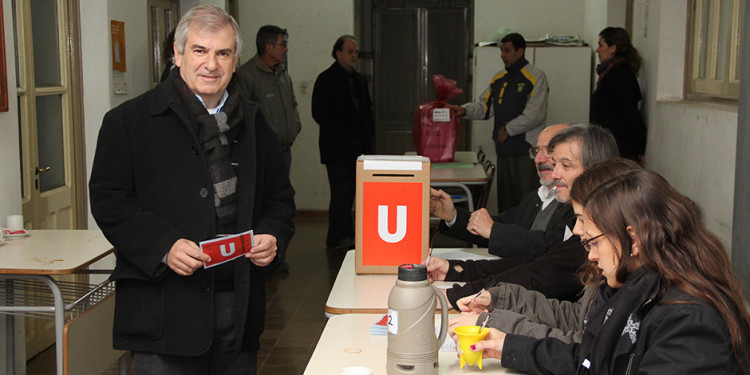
(436, 127)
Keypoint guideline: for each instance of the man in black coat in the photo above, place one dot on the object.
(342, 107)
(538, 223)
(186, 162)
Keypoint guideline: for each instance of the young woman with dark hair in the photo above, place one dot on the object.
(670, 302)
(614, 103)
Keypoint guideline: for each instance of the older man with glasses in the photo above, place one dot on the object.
(530, 228)
(574, 149)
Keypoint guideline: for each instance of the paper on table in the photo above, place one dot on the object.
(464, 255)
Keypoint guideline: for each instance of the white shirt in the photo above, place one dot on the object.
(547, 195)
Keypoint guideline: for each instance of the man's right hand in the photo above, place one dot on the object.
(437, 269)
(441, 205)
(185, 257)
(460, 111)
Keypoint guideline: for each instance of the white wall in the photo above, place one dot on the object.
(691, 144)
(98, 96)
(10, 177)
(313, 27)
(530, 18)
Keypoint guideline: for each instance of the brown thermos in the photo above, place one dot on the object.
(412, 345)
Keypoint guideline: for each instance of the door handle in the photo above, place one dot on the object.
(42, 170)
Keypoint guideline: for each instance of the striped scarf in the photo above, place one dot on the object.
(215, 135)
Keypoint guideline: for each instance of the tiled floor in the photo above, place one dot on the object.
(295, 304)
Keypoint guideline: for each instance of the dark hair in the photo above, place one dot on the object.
(168, 51)
(597, 143)
(582, 187)
(517, 40)
(339, 45)
(268, 34)
(672, 242)
(620, 38)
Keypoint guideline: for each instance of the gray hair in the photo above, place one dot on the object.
(597, 144)
(207, 17)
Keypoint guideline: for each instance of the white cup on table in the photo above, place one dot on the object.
(14, 222)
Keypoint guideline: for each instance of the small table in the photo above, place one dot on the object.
(346, 341)
(458, 175)
(367, 294)
(33, 259)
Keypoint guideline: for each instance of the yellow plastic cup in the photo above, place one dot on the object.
(467, 336)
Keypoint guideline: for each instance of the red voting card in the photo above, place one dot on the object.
(224, 249)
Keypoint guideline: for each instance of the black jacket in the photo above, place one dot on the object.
(687, 337)
(614, 105)
(150, 186)
(553, 273)
(346, 127)
(511, 234)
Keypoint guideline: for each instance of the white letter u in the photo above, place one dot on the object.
(224, 249)
(400, 224)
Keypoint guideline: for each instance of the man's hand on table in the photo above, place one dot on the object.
(480, 223)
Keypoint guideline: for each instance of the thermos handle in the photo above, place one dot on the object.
(444, 307)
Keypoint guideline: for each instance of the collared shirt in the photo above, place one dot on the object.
(211, 111)
(546, 195)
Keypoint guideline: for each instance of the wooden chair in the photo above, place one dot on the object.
(481, 155)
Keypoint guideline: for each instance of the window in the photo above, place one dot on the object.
(714, 65)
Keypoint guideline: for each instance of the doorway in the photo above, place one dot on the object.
(412, 41)
(162, 19)
(53, 177)
(49, 110)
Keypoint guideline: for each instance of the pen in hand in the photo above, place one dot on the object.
(475, 296)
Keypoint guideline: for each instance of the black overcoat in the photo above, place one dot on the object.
(150, 186)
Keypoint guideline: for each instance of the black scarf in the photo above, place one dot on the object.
(614, 320)
(215, 134)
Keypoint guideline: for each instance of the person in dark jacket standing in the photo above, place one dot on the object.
(669, 301)
(614, 103)
(342, 107)
(186, 162)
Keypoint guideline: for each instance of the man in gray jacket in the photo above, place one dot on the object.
(263, 79)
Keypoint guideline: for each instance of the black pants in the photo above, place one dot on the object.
(342, 179)
(218, 360)
(516, 176)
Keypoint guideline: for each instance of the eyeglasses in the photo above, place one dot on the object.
(535, 150)
(282, 45)
(587, 243)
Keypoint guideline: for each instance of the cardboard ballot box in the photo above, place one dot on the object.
(393, 212)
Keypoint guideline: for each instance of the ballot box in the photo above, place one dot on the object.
(392, 212)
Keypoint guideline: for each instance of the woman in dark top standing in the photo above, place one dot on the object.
(614, 104)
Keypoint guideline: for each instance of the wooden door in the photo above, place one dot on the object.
(49, 110)
(413, 40)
